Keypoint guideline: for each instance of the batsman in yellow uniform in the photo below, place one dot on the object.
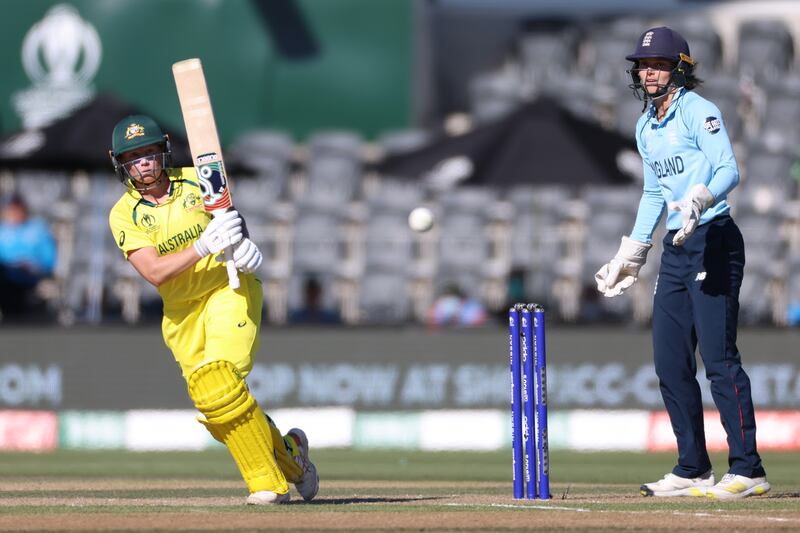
(160, 225)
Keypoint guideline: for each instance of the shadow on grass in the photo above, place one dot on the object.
(358, 500)
(784, 495)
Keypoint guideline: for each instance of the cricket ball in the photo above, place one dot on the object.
(420, 219)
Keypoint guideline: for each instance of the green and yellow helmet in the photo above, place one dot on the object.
(137, 131)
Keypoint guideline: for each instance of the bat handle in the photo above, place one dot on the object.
(233, 275)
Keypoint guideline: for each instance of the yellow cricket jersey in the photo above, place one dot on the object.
(169, 228)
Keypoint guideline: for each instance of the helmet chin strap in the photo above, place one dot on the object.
(663, 90)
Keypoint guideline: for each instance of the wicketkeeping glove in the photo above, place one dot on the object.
(224, 230)
(691, 207)
(622, 271)
(246, 256)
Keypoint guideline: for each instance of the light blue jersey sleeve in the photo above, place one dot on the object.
(652, 204)
(712, 139)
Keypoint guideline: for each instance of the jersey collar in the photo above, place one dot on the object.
(174, 182)
(673, 106)
(136, 197)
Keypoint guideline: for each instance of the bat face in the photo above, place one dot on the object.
(204, 144)
(213, 182)
(201, 131)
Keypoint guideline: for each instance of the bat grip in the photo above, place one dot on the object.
(233, 275)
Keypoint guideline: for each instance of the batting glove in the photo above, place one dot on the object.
(224, 230)
(617, 275)
(691, 207)
(246, 256)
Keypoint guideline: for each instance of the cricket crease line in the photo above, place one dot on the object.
(734, 516)
(517, 506)
(583, 510)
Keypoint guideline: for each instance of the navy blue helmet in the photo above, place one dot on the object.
(661, 43)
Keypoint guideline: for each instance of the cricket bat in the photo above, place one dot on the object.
(201, 130)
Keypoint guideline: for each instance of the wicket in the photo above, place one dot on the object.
(531, 473)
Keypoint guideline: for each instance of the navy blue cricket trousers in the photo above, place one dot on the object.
(696, 303)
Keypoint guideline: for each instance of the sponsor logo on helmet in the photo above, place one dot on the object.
(134, 130)
(647, 39)
(712, 125)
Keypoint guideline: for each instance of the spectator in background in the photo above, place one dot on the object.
(313, 311)
(27, 256)
(793, 313)
(516, 292)
(515, 289)
(454, 308)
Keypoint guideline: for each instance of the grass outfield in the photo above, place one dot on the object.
(381, 490)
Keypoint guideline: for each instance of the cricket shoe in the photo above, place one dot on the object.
(672, 485)
(308, 486)
(733, 486)
(267, 497)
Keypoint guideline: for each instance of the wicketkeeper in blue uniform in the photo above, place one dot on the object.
(689, 169)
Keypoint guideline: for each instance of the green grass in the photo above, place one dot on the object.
(388, 465)
(394, 481)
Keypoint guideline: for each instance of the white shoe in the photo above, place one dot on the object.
(308, 486)
(733, 486)
(267, 497)
(672, 485)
